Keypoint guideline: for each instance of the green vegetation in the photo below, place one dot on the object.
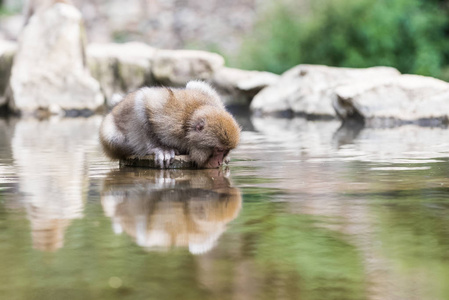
(410, 35)
(10, 9)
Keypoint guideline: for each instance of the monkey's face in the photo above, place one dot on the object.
(217, 157)
(206, 149)
(209, 158)
(212, 134)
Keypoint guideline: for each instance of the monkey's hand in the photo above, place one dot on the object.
(163, 157)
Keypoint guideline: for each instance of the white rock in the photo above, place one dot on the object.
(177, 67)
(121, 68)
(405, 98)
(10, 26)
(237, 86)
(49, 66)
(7, 52)
(308, 89)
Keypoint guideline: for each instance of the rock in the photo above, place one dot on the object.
(7, 51)
(36, 6)
(391, 101)
(49, 66)
(180, 162)
(177, 67)
(10, 26)
(121, 68)
(308, 89)
(238, 87)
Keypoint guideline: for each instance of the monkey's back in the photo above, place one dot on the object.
(123, 130)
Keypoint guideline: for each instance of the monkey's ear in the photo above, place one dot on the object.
(199, 126)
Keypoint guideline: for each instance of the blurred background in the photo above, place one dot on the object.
(268, 35)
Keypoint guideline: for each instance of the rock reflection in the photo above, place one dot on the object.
(330, 139)
(403, 144)
(49, 158)
(162, 209)
(298, 133)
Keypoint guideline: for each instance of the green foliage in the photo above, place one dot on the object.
(10, 9)
(3, 12)
(407, 34)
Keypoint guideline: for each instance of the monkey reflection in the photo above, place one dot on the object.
(162, 209)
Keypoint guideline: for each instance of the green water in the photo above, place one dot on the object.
(306, 210)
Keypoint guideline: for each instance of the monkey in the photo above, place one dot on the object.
(171, 121)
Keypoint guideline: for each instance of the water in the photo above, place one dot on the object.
(307, 210)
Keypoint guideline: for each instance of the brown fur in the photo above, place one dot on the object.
(159, 120)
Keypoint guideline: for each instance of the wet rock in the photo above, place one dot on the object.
(177, 67)
(180, 162)
(308, 89)
(49, 67)
(121, 68)
(396, 100)
(238, 87)
(7, 51)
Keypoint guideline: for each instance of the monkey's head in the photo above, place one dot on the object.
(212, 133)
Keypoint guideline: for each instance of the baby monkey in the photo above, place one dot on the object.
(165, 121)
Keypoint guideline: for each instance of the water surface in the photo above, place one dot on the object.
(306, 210)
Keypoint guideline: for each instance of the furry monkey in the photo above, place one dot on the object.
(166, 121)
